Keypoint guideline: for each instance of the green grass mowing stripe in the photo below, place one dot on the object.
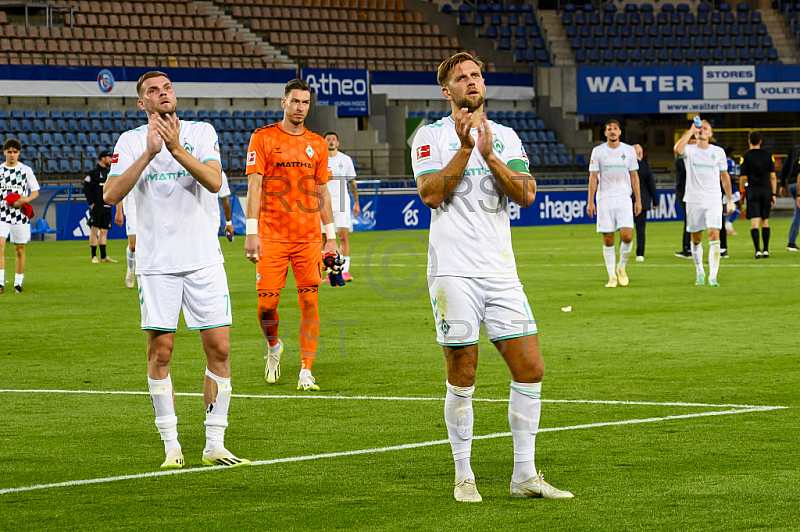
(389, 398)
(375, 450)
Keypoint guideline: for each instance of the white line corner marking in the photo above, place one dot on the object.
(733, 409)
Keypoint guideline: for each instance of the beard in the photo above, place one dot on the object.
(471, 103)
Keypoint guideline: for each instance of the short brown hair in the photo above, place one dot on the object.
(451, 62)
(296, 84)
(612, 122)
(145, 77)
(12, 144)
(335, 134)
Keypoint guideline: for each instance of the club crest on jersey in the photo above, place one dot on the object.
(498, 146)
(188, 147)
(310, 151)
(423, 153)
(251, 158)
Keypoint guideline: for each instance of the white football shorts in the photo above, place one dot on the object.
(702, 216)
(461, 304)
(18, 233)
(202, 294)
(341, 213)
(614, 213)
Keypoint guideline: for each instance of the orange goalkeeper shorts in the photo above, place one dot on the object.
(305, 258)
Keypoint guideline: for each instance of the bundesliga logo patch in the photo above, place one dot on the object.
(115, 158)
(251, 158)
(424, 153)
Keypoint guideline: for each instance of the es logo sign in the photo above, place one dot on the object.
(410, 216)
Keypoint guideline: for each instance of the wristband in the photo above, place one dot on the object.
(251, 226)
(228, 222)
(330, 231)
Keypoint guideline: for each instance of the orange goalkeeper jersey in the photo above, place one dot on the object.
(291, 166)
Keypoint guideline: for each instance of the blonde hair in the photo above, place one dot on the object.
(451, 62)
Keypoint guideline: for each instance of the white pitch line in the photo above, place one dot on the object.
(373, 450)
(390, 398)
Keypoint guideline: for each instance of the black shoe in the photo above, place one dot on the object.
(18, 289)
(724, 255)
(765, 254)
(792, 247)
(2, 289)
(683, 254)
(759, 255)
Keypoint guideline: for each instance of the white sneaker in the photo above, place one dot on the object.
(95, 260)
(537, 487)
(223, 457)
(466, 490)
(174, 459)
(130, 278)
(622, 276)
(307, 383)
(639, 258)
(612, 283)
(273, 370)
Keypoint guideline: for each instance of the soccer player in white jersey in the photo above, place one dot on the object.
(343, 175)
(467, 170)
(18, 187)
(614, 174)
(173, 170)
(126, 214)
(706, 165)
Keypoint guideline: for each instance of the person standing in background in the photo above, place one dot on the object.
(648, 195)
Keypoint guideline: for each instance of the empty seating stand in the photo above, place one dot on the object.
(134, 33)
(65, 143)
(637, 35)
(372, 34)
(513, 28)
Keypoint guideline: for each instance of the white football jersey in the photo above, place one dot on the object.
(614, 167)
(703, 168)
(175, 214)
(224, 192)
(470, 233)
(342, 172)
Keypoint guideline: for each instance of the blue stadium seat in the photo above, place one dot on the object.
(728, 18)
(608, 18)
(594, 19)
(759, 55)
(521, 43)
(105, 138)
(611, 31)
(504, 43)
(645, 43)
(38, 125)
(598, 31)
(761, 29)
(686, 43)
(105, 113)
(625, 31)
(680, 31)
(581, 56)
(567, 19)
(589, 43)
(59, 140)
(667, 8)
(630, 43)
(676, 55)
(772, 54)
(51, 166)
(47, 139)
(93, 114)
(658, 43)
(649, 55)
(671, 42)
(715, 19)
(16, 113)
(572, 31)
(617, 43)
(662, 19)
(726, 42)
(693, 30)
(131, 114)
(766, 41)
(690, 55)
(745, 54)
(755, 17)
(666, 31)
(662, 56)
(594, 56)
(603, 43)
(94, 138)
(703, 55)
(585, 31)
(636, 56)
(717, 55)
(734, 30)
(621, 56)
(96, 124)
(712, 42)
(575, 43)
(689, 19)
(23, 138)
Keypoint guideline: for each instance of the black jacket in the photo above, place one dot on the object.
(791, 167)
(647, 187)
(93, 185)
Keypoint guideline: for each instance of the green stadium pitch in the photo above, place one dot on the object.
(666, 406)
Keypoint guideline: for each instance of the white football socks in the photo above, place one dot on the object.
(713, 258)
(524, 409)
(2, 277)
(697, 255)
(131, 259)
(459, 420)
(18, 277)
(624, 253)
(217, 413)
(610, 256)
(346, 265)
(164, 406)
